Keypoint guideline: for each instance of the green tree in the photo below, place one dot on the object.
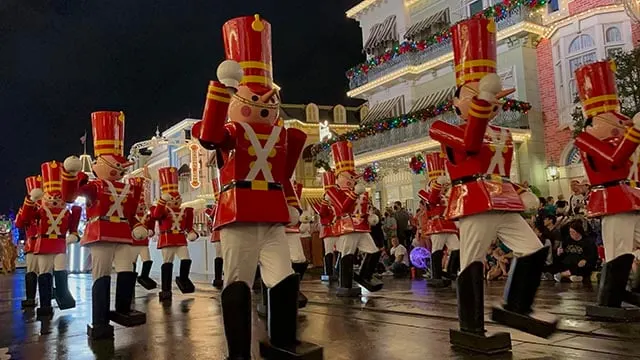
(628, 80)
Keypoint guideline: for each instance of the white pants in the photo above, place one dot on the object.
(295, 248)
(620, 234)
(217, 247)
(347, 244)
(46, 263)
(142, 251)
(477, 232)
(32, 263)
(168, 253)
(244, 246)
(104, 256)
(438, 241)
(329, 243)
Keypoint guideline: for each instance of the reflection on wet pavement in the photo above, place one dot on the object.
(406, 320)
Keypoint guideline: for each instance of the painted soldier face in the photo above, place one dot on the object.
(106, 167)
(175, 201)
(608, 125)
(346, 180)
(53, 200)
(250, 107)
(463, 98)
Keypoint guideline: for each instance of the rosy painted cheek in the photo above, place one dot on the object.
(615, 132)
(245, 111)
(113, 173)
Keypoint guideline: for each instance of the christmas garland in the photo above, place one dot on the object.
(407, 119)
(496, 12)
(417, 164)
(370, 174)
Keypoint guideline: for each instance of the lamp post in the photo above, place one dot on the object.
(553, 173)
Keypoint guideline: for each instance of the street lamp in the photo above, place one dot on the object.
(553, 173)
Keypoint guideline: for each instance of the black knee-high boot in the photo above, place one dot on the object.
(45, 288)
(472, 334)
(436, 280)
(520, 291)
(367, 268)
(30, 287)
(62, 294)
(282, 324)
(166, 272)
(100, 293)
(328, 267)
(217, 273)
(300, 269)
(184, 283)
(144, 279)
(612, 291)
(124, 315)
(236, 314)
(345, 285)
(454, 264)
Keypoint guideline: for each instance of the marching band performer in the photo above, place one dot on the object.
(442, 231)
(261, 158)
(352, 204)
(483, 198)
(215, 234)
(328, 226)
(176, 227)
(111, 209)
(56, 228)
(31, 234)
(141, 247)
(299, 262)
(606, 145)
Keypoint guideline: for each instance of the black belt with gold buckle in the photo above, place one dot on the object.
(165, 232)
(614, 183)
(113, 219)
(254, 185)
(472, 178)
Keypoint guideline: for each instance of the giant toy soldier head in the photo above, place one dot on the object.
(169, 187)
(346, 176)
(108, 145)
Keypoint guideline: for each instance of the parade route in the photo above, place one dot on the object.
(404, 321)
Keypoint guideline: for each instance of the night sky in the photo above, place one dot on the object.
(60, 60)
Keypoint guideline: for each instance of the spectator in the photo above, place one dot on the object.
(550, 207)
(376, 230)
(400, 265)
(402, 221)
(390, 228)
(579, 255)
(542, 233)
(576, 200)
(562, 207)
(499, 258)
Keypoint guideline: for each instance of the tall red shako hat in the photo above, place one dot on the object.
(435, 165)
(52, 177)
(328, 179)
(33, 182)
(247, 40)
(474, 49)
(169, 181)
(343, 157)
(108, 134)
(597, 88)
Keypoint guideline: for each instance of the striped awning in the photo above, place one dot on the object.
(385, 109)
(382, 32)
(424, 24)
(433, 99)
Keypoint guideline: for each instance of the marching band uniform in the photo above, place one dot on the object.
(299, 262)
(352, 204)
(50, 248)
(111, 209)
(215, 234)
(442, 231)
(31, 235)
(176, 227)
(483, 198)
(141, 247)
(261, 158)
(328, 226)
(606, 147)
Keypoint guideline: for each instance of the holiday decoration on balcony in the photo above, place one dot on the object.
(370, 174)
(497, 12)
(406, 120)
(417, 164)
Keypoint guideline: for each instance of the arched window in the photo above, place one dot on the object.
(364, 110)
(339, 114)
(612, 34)
(582, 51)
(581, 42)
(312, 112)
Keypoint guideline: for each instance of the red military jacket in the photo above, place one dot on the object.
(215, 234)
(479, 162)
(111, 208)
(149, 223)
(329, 226)
(174, 224)
(260, 160)
(344, 202)
(30, 227)
(607, 165)
(360, 214)
(52, 227)
(434, 221)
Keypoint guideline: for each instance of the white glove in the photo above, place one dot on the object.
(72, 239)
(192, 235)
(72, 165)
(294, 215)
(359, 188)
(150, 233)
(305, 228)
(373, 219)
(488, 87)
(530, 201)
(36, 194)
(230, 73)
(305, 218)
(442, 180)
(166, 197)
(636, 121)
(139, 232)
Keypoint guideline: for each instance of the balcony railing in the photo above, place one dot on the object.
(512, 18)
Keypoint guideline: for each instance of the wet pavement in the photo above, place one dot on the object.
(406, 320)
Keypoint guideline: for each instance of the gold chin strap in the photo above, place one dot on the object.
(272, 106)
